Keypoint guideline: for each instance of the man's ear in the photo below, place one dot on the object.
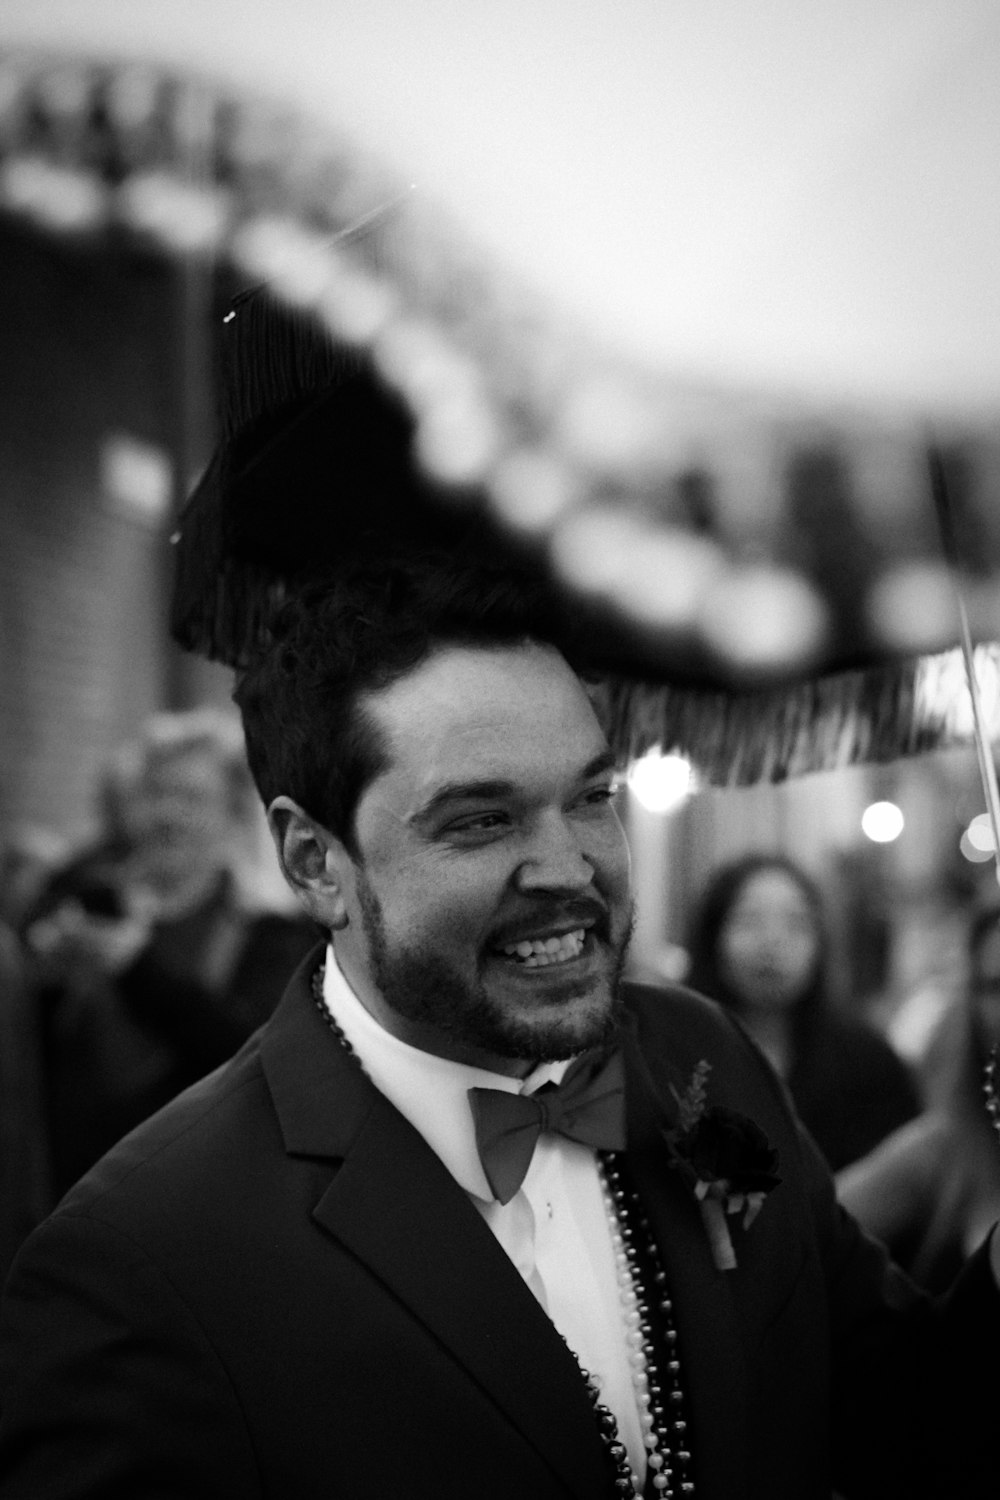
(313, 861)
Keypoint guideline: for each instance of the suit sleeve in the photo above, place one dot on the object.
(916, 1382)
(109, 1387)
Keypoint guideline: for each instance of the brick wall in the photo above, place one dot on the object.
(88, 349)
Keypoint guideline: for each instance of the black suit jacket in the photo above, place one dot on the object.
(275, 1289)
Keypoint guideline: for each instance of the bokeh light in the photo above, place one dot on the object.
(969, 851)
(977, 842)
(980, 832)
(660, 783)
(882, 822)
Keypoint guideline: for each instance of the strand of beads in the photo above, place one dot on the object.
(657, 1382)
(626, 1482)
(990, 1087)
(320, 1002)
(635, 1316)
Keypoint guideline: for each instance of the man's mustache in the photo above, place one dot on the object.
(581, 911)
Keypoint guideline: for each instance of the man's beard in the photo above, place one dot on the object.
(423, 988)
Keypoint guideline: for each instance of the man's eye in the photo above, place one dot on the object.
(596, 796)
(484, 822)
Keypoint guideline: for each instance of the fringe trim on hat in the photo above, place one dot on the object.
(230, 622)
(274, 355)
(867, 716)
(220, 605)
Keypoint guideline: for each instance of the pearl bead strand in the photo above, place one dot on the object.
(656, 1382)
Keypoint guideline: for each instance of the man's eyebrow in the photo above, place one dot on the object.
(606, 761)
(486, 790)
(461, 791)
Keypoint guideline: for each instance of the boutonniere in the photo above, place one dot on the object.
(725, 1158)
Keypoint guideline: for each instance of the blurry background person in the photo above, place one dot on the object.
(25, 1192)
(153, 956)
(932, 1189)
(28, 858)
(759, 944)
(91, 877)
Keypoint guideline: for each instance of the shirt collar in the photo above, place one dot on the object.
(431, 1091)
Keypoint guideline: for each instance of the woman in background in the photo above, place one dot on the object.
(759, 944)
(931, 1191)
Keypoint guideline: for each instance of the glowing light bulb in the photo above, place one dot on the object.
(882, 822)
(660, 783)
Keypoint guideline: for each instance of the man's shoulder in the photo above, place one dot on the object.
(673, 1021)
(201, 1138)
(220, 1140)
(679, 1032)
(675, 1010)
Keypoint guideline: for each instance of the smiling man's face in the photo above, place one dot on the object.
(489, 908)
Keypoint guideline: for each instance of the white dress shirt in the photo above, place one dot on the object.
(555, 1229)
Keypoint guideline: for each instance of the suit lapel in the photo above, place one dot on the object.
(396, 1207)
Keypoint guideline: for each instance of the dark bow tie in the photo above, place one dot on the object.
(588, 1106)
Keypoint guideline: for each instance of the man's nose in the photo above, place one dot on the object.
(554, 858)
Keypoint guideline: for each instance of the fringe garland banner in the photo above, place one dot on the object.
(734, 536)
(868, 716)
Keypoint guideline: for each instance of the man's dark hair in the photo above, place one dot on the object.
(358, 630)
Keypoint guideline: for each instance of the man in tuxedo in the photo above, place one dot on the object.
(469, 1216)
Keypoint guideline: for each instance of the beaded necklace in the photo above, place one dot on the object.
(990, 1087)
(647, 1311)
(647, 1308)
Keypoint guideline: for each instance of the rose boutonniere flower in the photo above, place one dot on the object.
(726, 1159)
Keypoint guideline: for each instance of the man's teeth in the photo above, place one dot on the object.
(535, 953)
